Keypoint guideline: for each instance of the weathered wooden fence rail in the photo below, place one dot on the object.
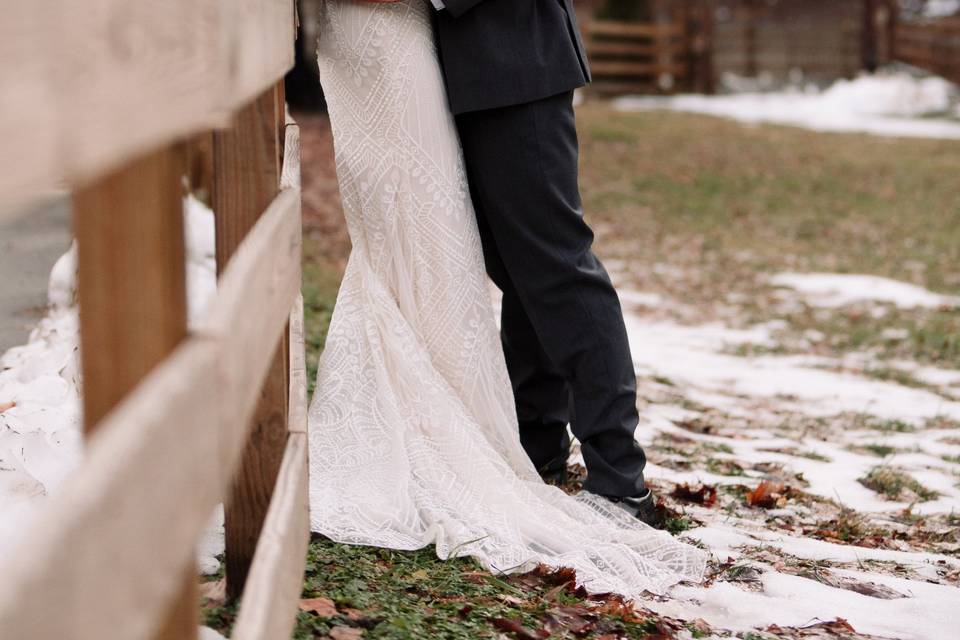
(933, 45)
(105, 95)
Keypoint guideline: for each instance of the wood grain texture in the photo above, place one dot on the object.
(298, 371)
(247, 161)
(89, 84)
(269, 608)
(132, 279)
(133, 303)
(106, 556)
(290, 171)
(250, 313)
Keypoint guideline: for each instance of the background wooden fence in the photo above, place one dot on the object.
(933, 45)
(668, 46)
(116, 98)
(668, 53)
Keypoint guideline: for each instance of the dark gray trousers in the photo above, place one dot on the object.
(563, 331)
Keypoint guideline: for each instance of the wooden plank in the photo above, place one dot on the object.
(248, 160)
(610, 28)
(606, 87)
(298, 371)
(627, 68)
(88, 84)
(272, 595)
(290, 172)
(109, 548)
(133, 302)
(261, 45)
(132, 281)
(247, 172)
(635, 49)
(262, 280)
(248, 315)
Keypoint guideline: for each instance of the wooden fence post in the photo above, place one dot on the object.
(247, 162)
(751, 70)
(133, 303)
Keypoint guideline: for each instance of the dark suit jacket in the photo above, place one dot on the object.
(498, 53)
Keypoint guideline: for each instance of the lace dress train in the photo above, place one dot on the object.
(413, 430)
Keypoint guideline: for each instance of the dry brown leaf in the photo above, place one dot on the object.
(7, 405)
(767, 495)
(345, 633)
(323, 607)
(705, 495)
(518, 630)
(508, 599)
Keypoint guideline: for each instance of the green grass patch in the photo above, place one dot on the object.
(895, 484)
(321, 282)
(880, 450)
(886, 426)
(723, 205)
(413, 595)
(723, 467)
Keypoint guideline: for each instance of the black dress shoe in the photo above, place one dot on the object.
(643, 508)
(555, 472)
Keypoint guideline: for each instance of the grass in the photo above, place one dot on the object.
(721, 205)
(895, 484)
(321, 281)
(863, 421)
(880, 450)
(393, 595)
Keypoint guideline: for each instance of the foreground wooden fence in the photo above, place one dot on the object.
(114, 98)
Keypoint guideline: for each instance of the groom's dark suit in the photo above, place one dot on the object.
(511, 67)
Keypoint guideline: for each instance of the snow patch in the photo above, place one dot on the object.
(837, 289)
(886, 104)
(40, 437)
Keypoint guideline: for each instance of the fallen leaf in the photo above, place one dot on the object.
(519, 631)
(7, 405)
(345, 633)
(705, 495)
(476, 577)
(576, 620)
(767, 495)
(700, 626)
(323, 607)
(420, 575)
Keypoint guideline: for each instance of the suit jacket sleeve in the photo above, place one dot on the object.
(459, 7)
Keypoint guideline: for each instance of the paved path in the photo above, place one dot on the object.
(30, 243)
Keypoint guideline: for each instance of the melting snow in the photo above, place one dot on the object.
(40, 438)
(837, 290)
(887, 104)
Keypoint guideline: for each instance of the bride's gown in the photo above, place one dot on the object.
(413, 431)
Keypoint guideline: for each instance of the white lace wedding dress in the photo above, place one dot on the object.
(413, 432)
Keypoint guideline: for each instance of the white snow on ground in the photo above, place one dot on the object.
(938, 8)
(697, 361)
(40, 438)
(885, 104)
(838, 289)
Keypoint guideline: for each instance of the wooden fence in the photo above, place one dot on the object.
(933, 45)
(113, 97)
(665, 55)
